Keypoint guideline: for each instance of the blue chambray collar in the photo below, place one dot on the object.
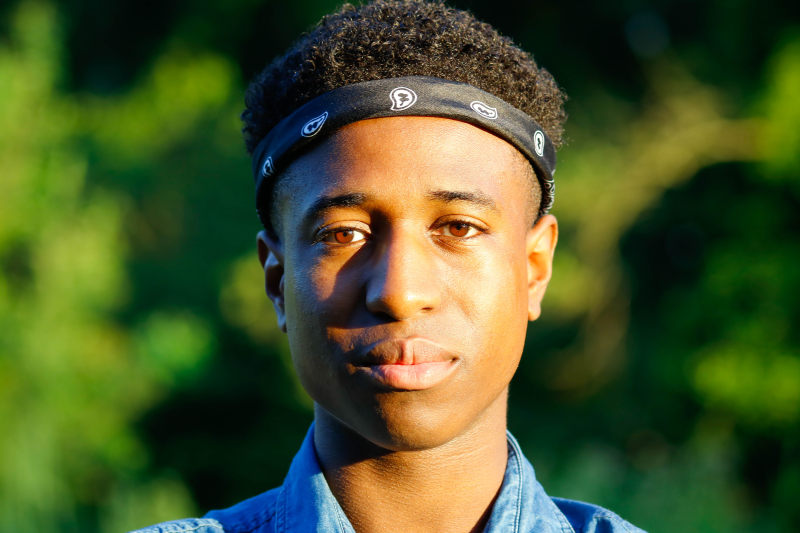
(522, 505)
(306, 503)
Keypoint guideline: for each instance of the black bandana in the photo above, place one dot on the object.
(410, 96)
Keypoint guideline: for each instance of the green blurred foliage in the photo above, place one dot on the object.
(142, 377)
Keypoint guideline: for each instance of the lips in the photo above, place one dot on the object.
(406, 364)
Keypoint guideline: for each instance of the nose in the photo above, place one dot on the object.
(403, 281)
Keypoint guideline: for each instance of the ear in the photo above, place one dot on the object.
(540, 244)
(270, 253)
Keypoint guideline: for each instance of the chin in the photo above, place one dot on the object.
(412, 424)
(407, 435)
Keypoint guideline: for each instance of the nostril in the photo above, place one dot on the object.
(400, 284)
(400, 302)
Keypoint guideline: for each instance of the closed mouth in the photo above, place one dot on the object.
(407, 364)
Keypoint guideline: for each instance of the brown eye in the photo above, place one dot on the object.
(458, 229)
(344, 236)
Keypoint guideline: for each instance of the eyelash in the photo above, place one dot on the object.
(330, 233)
(473, 230)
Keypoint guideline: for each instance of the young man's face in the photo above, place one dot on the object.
(405, 275)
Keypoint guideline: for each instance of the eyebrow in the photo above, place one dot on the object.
(328, 202)
(356, 199)
(474, 197)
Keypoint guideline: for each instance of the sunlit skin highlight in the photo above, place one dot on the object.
(404, 273)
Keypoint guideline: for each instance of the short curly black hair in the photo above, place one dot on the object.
(396, 38)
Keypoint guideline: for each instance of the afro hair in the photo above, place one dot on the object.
(396, 38)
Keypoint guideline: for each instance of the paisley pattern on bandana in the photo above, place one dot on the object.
(409, 96)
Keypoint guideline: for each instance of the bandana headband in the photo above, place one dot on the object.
(409, 96)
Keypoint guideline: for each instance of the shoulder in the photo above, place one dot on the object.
(588, 518)
(255, 515)
(187, 525)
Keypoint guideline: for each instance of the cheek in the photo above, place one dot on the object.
(319, 296)
(310, 280)
(306, 288)
(306, 300)
(498, 308)
(494, 285)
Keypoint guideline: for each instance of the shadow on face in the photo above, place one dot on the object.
(405, 274)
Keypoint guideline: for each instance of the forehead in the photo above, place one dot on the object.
(403, 159)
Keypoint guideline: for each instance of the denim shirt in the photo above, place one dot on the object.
(304, 503)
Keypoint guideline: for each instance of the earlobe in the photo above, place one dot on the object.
(540, 245)
(270, 253)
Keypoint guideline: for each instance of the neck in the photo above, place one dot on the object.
(446, 489)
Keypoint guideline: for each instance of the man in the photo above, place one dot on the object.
(403, 155)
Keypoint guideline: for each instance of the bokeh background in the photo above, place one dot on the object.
(141, 374)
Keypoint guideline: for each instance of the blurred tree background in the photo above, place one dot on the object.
(141, 374)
